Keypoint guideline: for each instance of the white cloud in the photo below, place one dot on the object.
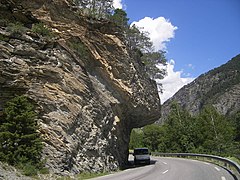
(172, 82)
(160, 30)
(117, 4)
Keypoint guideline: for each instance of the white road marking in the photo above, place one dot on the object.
(206, 163)
(164, 163)
(165, 172)
(217, 168)
(223, 178)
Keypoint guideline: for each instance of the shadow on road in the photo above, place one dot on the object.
(132, 165)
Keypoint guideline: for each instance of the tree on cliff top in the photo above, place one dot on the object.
(141, 48)
(96, 8)
(137, 41)
(120, 18)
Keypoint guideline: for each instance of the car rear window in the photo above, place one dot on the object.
(140, 151)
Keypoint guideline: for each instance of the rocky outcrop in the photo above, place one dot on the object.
(89, 92)
(219, 87)
(9, 172)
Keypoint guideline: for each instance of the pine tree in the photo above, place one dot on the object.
(135, 39)
(19, 140)
(96, 8)
(150, 60)
(120, 18)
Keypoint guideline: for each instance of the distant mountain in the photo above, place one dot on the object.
(219, 87)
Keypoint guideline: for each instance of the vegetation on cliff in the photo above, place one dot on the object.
(140, 46)
(228, 75)
(20, 142)
(87, 112)
(219, 87)
(90, 86)
(137, 41)
(95, 8)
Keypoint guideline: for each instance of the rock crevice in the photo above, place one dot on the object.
(88, 90)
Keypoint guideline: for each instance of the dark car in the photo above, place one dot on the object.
(141, 156)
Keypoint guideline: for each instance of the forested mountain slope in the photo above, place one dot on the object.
(219, 87)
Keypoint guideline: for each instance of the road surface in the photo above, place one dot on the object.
(172, 169)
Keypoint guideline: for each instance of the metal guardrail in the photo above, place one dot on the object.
(230, 165)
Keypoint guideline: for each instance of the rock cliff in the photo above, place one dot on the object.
(219, 87)
(88, 90)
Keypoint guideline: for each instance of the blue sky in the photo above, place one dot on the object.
(208, 33)
(201, 34)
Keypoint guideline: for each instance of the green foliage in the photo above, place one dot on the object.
(16, 28)
(87, 175)
(136, 139)
(150, 60)
(152, 136)
(84, 175)
(3, 38)
(96, 8)
(209, 132)
(20, 143)
(217, 133)
(28, 169)
(237, 125)
(136, 39)
(120, 18)
(180, 130)
(234, 159)
(142, 49)
(227, 75)
(80, 49)
(4, 22)
(41, 29)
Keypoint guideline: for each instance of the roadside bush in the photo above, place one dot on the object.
(206, 133)
(20, 143)
(28, 169)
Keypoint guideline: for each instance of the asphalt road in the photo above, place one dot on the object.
(172, 169)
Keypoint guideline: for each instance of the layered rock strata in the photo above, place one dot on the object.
(88, 90)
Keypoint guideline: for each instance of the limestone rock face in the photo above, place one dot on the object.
(219, 87)
(88, 91)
